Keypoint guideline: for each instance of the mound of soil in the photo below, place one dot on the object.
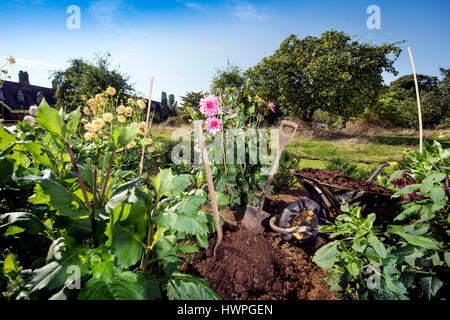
(339, 179)
(260, 267)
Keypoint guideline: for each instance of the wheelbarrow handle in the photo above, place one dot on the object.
(285, 139)
(381, 167)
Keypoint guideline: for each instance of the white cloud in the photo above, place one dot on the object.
(104, 11)
(192, 5)
(37, 64)
(247, 12)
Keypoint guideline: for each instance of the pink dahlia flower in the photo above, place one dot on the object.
(272, 106)
(209, 106)
(213, 125)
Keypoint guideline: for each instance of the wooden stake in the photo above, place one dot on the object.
(419, 109)
(198, 126)
(141, 164)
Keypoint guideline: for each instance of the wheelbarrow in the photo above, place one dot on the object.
(301, 219)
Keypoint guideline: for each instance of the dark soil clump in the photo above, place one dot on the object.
(260, 267)
(341, 180)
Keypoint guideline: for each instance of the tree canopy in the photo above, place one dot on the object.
(230, 76)
(192, 99)
(331, 73)
(426, 83)
(83, 78)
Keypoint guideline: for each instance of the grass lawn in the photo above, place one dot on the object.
(369, 153)
(314, 152)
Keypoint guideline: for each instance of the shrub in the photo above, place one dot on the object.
(407, 260)
(284, 179)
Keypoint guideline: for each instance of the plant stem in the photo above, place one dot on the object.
(77, 172)
(223, 142)
(94, 204)
(144, 262)
(105, 183)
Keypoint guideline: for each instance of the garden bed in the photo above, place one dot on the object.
(262, 267)
(341, 180)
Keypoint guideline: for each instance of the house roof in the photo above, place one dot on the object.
(10, 92)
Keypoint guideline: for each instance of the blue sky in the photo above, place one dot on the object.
(182, 42)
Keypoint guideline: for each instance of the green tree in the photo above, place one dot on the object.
(426, 83)
(230, 76)
(173, 105)
(331, 73)
(192, 99)
(397, 105)
(84, 78)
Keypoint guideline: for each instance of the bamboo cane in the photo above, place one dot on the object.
(198, 125)
(419, 108)
(141, 164)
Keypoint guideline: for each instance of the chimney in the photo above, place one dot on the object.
(24, 80)
(54, 84)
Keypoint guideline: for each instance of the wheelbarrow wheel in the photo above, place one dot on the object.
(299, 222)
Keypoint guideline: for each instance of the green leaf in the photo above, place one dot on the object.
(222, 199)
(39, 153)
(76, 228)
(121, 287)
(430, 285)
(189, 287)
(202, 240)
(353, 269)
(74, 119)
(163, 183)
(447, 258)
(25, 220)
(122, 136)
(427, 184)
(359, 245)
(438, 177)
(12, 230)
(377, 245)
(326, 255)
(6, 139)
(395, 175)
(62, 199)
(437, 194)
(369, 220)
(180, 183)
(49, 119)
(125, 246)
(180, 222)
(414, 209)
(103, 271)
(20, 159)
(395, 286)
(11, 266)
(188, 249)
(406, 190)
(58, 273)
(191, 205)
(416, 240)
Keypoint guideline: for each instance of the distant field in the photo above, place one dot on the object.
(314, 152)
(361, 152)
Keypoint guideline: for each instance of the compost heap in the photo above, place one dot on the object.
(341, 180)
(258, 267)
